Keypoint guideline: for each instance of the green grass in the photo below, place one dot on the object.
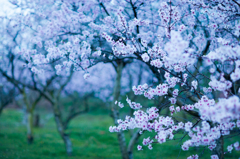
(89, 135)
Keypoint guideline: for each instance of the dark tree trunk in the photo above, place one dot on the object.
(30, 127)
(122, 144)
(36, 120)
(133, 140)
(61, 130)
(116, 95)
(219, 151)
(1, 109)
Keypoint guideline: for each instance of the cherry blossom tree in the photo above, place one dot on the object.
(48, 84)
(192, 47)
(18, 71)
(185, 77)
(12, 70)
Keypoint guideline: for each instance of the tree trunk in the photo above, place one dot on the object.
(122, 144)
(219, 151)
(30, 126)
(1, 109)
(116, 95)
(36, 120)
(133, 140)
(61, 130)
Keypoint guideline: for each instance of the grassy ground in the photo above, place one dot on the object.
(89, 135)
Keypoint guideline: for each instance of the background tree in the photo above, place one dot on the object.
(7, 94)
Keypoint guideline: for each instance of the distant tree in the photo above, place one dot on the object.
(8, 94)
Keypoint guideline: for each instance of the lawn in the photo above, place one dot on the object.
(89, 135)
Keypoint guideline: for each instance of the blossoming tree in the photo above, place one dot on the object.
(192, 47)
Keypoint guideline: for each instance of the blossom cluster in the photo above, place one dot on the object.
(201, 134)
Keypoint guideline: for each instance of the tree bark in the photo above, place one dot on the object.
(61, 130)
(29, 117)
(122, 144)
(30, 126)
(115, 114)
(1, 109)
(219, 151)
(133, 140)
(36, 120)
